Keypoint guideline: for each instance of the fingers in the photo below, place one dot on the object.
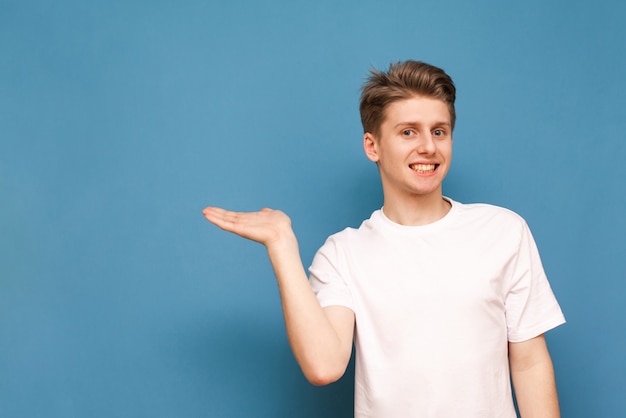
(213, 213)
(251, 225)
(224, 219)
(265, 226)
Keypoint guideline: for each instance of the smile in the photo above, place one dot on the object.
(423, 168)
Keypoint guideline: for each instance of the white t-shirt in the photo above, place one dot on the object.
(435, 307)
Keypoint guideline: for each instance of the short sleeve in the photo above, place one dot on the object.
(327, 276)
(531, 307)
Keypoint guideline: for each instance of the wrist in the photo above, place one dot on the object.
(284, 241)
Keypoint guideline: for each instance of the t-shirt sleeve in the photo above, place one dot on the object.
(531, 307)
(327, 276)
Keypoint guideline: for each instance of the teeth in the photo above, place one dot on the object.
(423, 168)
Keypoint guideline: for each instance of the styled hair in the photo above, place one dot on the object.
(403, 80)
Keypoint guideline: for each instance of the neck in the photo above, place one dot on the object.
(416, 211)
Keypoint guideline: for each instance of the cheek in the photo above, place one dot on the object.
(446, 149)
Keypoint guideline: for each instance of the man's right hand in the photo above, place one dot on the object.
(267, 226)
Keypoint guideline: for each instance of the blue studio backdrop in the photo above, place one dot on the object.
(121, 120)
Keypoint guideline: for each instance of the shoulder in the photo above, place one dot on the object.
(488, 212)
(350, 235)
(482, 219)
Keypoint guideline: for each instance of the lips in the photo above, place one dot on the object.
(423, 168)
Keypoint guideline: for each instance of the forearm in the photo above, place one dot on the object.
(321, 350)
(534, 383)
(321, 339)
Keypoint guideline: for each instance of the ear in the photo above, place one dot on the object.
(370, 146)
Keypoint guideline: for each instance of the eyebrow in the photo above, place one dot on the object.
(441, 123)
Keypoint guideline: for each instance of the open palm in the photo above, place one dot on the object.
(266, 226)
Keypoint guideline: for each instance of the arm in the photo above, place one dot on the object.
(320, 338)
(533, 379)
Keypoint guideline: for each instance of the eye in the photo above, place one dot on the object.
(439, 132)
(407, 132)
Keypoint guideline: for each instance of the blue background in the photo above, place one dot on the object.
(121, 120)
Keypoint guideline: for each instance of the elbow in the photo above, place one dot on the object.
(323, 377)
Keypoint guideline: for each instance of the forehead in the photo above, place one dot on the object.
(417, 109)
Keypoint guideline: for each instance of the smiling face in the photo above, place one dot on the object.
(413, 148)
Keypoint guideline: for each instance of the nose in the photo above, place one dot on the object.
(425, 145)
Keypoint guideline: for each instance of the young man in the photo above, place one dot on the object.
(445, 302)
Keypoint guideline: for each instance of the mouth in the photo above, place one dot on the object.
(423, 168)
